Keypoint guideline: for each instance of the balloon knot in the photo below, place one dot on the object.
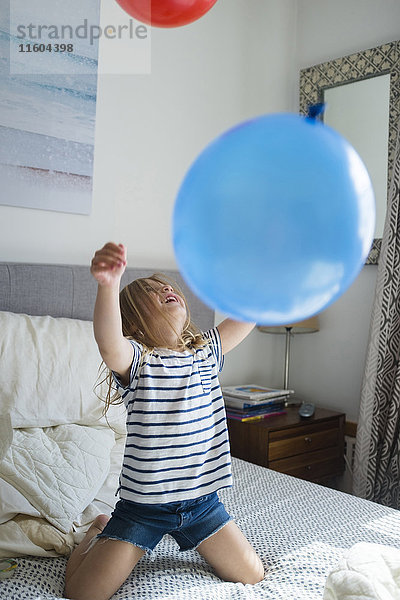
(315, 110)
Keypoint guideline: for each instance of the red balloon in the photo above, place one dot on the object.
(166, 13)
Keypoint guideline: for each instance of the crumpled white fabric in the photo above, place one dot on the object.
(367, 572)
(58, 469)
(6, 434)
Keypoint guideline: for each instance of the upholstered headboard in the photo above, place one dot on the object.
(70, 291)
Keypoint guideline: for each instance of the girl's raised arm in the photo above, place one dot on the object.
(108, 265)
(232, 333)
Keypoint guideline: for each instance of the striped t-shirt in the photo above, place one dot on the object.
(177, 445)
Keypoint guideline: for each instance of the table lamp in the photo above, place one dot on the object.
(310, 325)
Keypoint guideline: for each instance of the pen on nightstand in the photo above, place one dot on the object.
(260, 417)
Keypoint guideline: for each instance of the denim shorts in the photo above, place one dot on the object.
(189, 522)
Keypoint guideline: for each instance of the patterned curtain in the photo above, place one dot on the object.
(377, 454)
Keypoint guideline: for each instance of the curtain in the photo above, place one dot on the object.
(377, 453)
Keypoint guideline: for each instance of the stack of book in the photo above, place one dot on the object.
(254, 402)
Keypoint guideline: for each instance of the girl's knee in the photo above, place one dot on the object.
(253, 571)
(71, 593)
(105, 568)
(257, 575)
(253, 575)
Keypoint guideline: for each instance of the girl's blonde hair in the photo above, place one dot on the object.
(136, 301)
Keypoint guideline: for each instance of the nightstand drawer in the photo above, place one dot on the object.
(311, 465)
(306, 442)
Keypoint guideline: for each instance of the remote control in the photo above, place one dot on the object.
(306, 410)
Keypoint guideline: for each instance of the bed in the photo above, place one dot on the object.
(59, 464)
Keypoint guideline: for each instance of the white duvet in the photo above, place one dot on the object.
(24, 531)
(59, 459)
(367, 572)
(60, 469)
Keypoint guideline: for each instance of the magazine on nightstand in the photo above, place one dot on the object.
(251, 393)
(254, 402)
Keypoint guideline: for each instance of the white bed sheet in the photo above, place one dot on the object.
(299, 529)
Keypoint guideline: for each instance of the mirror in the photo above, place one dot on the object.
(360, 112)
(362, 96)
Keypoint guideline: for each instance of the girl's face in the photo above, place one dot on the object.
(169, 302)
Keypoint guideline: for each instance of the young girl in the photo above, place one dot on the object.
(177, 449)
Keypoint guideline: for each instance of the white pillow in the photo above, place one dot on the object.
(48, 370)
(13, 502)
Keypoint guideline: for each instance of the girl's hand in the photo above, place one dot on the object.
(108, 264)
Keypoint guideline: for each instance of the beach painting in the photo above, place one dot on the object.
(47, 107)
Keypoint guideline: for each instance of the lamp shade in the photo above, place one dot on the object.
(310, 325)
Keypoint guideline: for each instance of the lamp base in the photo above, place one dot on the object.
(287, 358)
(293, 402)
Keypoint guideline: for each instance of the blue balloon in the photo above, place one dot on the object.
(274, 219)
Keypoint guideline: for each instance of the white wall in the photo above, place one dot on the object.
(205, 78)
(240, 60)
(327, 30)
(327, 367)
(230, 65)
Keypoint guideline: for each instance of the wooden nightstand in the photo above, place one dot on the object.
(310, 448)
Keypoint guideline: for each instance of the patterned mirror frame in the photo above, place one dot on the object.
(355, 67)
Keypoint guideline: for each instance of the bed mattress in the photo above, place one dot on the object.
(299, 529)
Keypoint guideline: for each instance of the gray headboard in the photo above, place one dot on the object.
(70, 291)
